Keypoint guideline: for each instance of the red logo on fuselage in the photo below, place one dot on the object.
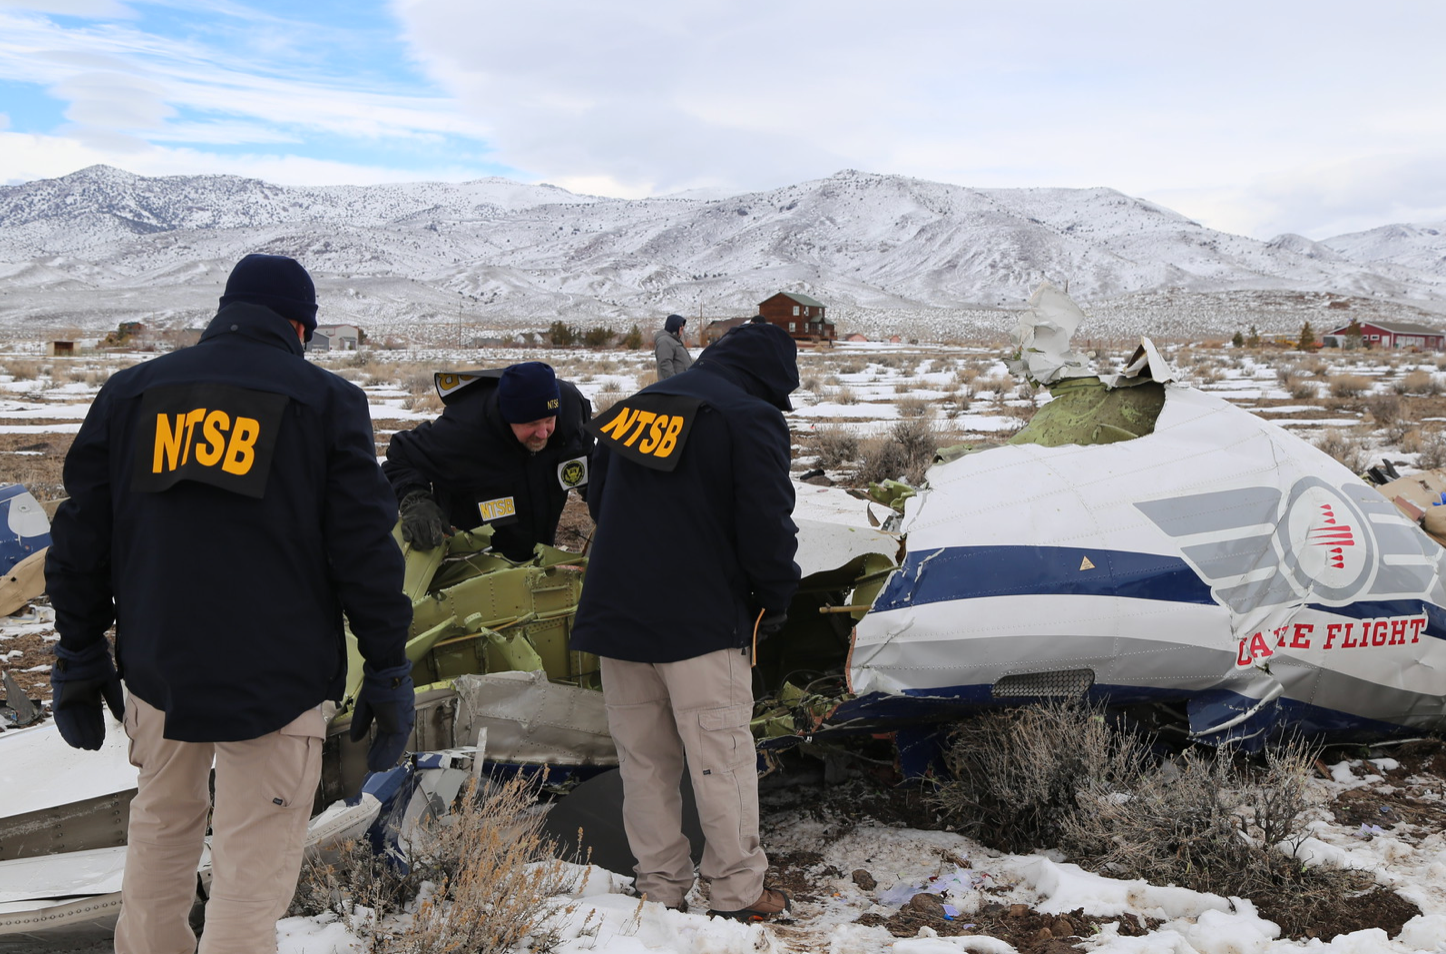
(1332, 535)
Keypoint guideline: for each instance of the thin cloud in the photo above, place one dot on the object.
(1239, 98)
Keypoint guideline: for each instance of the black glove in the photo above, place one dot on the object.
(770, 624)
(423, 523)
(79, 681)
(388, 697)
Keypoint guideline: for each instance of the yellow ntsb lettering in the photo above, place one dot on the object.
(670, 438)
(216, 441)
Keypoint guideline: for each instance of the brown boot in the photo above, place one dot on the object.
(770, 903)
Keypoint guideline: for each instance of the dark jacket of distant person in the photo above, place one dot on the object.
(228, 607)
(663, 592)
(469, 456)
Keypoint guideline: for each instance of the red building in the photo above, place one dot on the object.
(799, 315)
(1396, 334)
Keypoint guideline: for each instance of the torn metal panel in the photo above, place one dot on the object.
(531, 720)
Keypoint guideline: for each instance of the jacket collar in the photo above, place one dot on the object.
(256, 322)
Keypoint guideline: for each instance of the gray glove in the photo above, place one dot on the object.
(423, 523)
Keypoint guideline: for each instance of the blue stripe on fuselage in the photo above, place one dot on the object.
(962, 573)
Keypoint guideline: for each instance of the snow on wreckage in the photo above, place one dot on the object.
(1139, 542)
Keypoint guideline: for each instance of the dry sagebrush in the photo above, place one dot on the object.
(482, 880)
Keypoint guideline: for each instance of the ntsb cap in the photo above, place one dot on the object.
(528, 392)
(279, 283)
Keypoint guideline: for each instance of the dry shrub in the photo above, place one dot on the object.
(903, 454)
(1059, 775)
(1349, 385)
(1303, 390)
(1431, 452)
(843, 396)
(493, 878)
(1014, 772)
(914, 407)
(1419, 382)
(605, 399)
(1000, 386)
(904, 387)
(1385, 410)
(499, 876)
(836, 445)
(1344, 447)
(1214, 822)
(23, 369)
(646, 378)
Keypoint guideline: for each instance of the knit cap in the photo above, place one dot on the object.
(279, 283)
(528, 392)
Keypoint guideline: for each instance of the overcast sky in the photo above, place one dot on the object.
(1258, 117)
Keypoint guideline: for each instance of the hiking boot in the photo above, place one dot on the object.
(681, 907)
(770, 903)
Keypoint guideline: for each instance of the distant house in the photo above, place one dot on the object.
(856, 336)
(335, 338)
(799, 315)
(1397, 334)
(62, 349)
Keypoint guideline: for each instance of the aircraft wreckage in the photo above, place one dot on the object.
(1139, 543)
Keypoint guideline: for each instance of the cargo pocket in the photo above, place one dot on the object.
(293, 766)
(726, 743)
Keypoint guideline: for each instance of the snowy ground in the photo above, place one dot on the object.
(966, 395)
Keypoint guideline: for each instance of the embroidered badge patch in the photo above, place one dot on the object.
(500, 510)
(572, 473)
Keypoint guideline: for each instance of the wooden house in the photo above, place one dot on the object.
(804, 318)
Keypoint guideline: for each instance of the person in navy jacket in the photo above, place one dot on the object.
(225, 509)
(691, 562)
(506, 450)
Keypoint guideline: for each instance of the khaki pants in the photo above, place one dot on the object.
(264, 790)
(658, 713)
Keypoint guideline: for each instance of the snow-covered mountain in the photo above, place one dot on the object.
(1421, 247)
(102, 245)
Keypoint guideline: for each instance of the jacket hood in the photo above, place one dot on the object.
(674, 323)
(257, 322)
(760, 358)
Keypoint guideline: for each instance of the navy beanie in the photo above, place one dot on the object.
(528, 392)
(279, 283)
(674, 323)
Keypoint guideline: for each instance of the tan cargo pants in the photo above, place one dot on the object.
(699, 708)
(264, 791)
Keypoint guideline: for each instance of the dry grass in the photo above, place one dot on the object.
(903, 454)
(1344, 447)
(480, 880)
(1059, 775)
(1418, 382)
(1349, 385)
(836, 445)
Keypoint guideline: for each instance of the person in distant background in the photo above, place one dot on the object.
(226, 658)
(668, 348)
(508, 447)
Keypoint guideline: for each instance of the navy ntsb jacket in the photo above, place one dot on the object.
(225, 508)
(469, 457)
(683, 559)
